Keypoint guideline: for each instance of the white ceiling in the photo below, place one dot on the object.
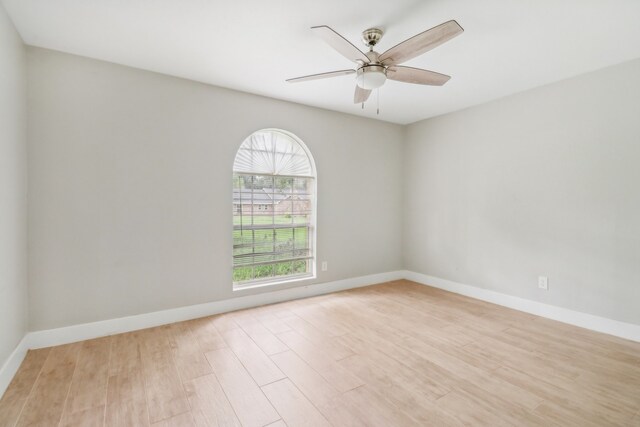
(254, 45)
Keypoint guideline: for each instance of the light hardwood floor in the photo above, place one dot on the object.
(394, 354)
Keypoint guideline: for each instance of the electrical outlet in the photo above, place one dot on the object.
(543, 283)
(325, 266)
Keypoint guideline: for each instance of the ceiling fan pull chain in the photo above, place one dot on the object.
(364, 79)
(378, 101)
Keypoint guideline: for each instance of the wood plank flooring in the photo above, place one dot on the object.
(394, 354)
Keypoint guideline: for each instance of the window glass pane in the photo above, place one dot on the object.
(283, 185)
(263, 271)
(283, 268)
(300, 266)
(241, 274)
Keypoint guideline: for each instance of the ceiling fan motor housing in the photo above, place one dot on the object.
(372, 36)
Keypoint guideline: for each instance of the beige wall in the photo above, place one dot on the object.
(130, 191)
(545, 182)
(13, 189)
(130, 188)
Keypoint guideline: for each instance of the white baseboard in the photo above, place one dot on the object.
(68, 334)
(65, 335)
(12, 364)
(628, 331)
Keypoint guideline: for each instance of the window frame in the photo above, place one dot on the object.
(312, 224)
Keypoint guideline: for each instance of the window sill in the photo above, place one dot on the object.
(265, 283)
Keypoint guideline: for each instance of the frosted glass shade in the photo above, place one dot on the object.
(371, 77)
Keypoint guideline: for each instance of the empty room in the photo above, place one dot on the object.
(302, 213)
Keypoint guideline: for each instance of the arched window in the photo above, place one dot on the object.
(274, 183)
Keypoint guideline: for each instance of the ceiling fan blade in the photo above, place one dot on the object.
(361, 95)
(421, 43)
(321, 76)
(339, 43)
(416, 75)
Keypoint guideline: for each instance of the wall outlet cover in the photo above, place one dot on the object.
(543, 283)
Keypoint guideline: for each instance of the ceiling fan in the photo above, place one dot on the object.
(373, 68)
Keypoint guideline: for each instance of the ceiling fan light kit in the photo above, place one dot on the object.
(373, 69)
(371, 76)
